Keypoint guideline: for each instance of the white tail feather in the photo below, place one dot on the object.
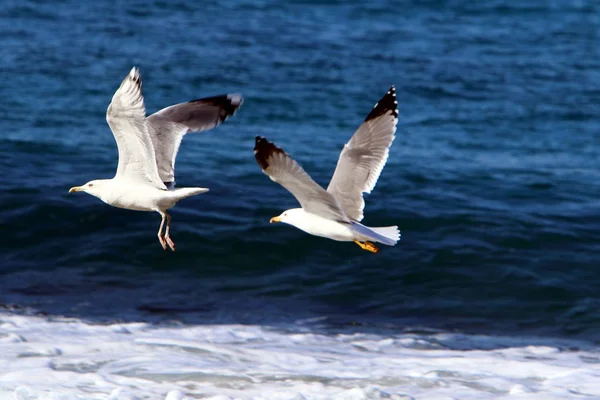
(182, 193)
(390, 232)
(388, 235)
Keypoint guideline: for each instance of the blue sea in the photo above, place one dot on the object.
(493, 179)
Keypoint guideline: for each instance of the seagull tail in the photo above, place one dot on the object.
(388, 235)
(182, 193)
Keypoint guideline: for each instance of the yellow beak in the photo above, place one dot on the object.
(275, 219)
(75, 189)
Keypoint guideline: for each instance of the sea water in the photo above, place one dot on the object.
(493, 180)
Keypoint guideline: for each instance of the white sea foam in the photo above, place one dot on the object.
(67, 359)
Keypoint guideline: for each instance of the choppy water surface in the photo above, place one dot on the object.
(493, 177)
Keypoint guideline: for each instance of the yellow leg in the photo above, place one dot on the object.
(368, 246)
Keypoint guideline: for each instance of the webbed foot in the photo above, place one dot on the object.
(368, 246)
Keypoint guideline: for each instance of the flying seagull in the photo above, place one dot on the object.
(336, 213)
(145, 178)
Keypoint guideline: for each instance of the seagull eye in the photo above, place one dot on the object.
(91, 184)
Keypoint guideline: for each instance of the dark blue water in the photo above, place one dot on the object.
(493, 179)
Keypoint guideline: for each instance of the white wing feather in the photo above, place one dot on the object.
(281, 168)
(168, 126)
(362, 159)
(126, 117)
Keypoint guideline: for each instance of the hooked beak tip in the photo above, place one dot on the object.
(274, 219)
(74, 189)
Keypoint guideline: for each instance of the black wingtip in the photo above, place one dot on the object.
(228, 103)
(134, 76)
(388, 103)
(264, 150)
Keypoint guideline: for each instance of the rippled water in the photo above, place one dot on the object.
(493, 177)
(67, 359)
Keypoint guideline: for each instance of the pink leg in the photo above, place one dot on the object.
(167, 236)
(161, 238)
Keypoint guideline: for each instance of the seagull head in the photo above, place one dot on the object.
(92, 187)
(289, 216)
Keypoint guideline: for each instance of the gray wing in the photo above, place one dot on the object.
(126, 117)
(168, 126)
(364, 156)
(281, 168)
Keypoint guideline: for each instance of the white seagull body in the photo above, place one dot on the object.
(148, 146)
(336, 213)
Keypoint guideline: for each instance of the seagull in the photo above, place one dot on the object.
(147, 146)
(336, 213)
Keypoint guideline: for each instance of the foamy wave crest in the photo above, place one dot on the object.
(54, 358)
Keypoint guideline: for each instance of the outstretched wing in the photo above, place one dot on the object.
(126, 117)
(364, 156)
(281, 168)
(168, 126)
